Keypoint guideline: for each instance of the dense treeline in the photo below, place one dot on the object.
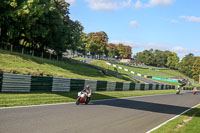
(42, 25)
(96, 43)
(38, 24)
(119, 50)
(189, 65)
(158, 58)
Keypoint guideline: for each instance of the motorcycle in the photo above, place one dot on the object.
(83, 97)
(194, 92)
(178, 91)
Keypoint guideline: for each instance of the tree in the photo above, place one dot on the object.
(128, 52)
(84, 42)
(121, 51)
(196, 69)
(74, 42)
(160, 58)
(172, 61)
(147, 57)
(97, 43)
(185, 66)
(39, 24)
(112, 50)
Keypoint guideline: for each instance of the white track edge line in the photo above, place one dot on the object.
(171, 119)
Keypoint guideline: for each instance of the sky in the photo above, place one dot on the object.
(143, 24)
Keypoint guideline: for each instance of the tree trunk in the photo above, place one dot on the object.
(23, 50)
(11, 48)
(33, 53)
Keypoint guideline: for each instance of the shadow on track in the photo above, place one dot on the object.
(141, 105)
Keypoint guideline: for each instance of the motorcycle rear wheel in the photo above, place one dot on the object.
(177, 92)
(87, 101)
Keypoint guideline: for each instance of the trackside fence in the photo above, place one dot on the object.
(27, 83)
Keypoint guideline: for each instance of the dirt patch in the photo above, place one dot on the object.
(187, 119)
(184, 121)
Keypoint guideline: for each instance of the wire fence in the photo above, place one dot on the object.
(42, 53)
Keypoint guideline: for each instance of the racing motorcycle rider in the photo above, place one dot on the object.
(88, 91)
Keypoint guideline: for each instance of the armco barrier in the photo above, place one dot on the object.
(157, 87)
(150, 86)
(101, 86)
(132, 86)
(92, 84)
(154, 87)
(77, 84)
(1, 78)
(187, 88)
(15, 83)
(126, 86)
(27, 83)
(119, 86)
(111, 86)
(137, 86)
(39, 83)
(61, 85)
(142, 86)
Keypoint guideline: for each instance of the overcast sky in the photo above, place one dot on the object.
(143, 24)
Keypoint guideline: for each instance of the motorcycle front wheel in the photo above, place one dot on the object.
(78, 101)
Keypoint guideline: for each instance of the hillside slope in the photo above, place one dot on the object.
(11, 62)
(151, 72)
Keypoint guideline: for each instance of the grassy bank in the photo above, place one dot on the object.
(11, 62)
(110, 70)
(23, 99)
(186, 123)
(103, 65)
(155, 73)
(79, 58)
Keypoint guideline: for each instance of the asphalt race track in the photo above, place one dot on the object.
(132, 115)
(145, 80)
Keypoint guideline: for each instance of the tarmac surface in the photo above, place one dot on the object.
(145, 80)
(130, 115)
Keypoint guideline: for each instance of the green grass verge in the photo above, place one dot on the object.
(23, 99)
(155, 73)
(186, 123)
(11, 62)
(161, 74)
(102, 64)
(79, 58)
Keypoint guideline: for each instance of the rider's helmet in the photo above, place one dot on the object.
(87, 87)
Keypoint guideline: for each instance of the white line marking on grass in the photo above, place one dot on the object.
(74, 102)
(172, 119)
